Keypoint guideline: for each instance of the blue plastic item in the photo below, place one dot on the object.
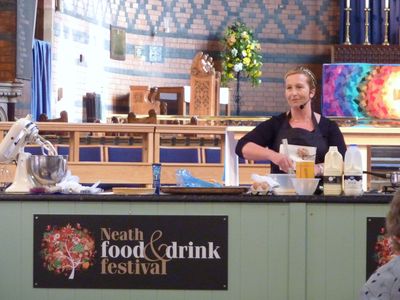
(185, 179)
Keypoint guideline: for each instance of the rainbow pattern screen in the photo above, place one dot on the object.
(361, 90)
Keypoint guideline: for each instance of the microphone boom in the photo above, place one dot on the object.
(301, 106)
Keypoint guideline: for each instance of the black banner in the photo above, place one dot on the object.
(132, 252)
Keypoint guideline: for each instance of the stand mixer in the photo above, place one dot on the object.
(30, 173)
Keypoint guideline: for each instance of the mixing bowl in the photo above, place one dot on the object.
(48, 169)
(305, 186)
(285, 184)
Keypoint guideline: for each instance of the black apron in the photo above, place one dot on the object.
(301, 137)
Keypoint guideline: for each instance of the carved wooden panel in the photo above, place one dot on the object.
(202, 96)
(204, 86)
(378, 54)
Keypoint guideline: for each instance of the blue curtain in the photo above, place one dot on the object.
(41, 79)
(377, 19)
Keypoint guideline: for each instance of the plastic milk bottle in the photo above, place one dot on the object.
(333, 172)
(353, 172)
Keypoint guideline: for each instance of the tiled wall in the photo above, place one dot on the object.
(162, 37)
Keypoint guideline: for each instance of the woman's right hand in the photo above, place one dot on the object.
(283, 161)
(257, 152)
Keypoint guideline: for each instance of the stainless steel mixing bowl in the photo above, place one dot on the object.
(48, 169)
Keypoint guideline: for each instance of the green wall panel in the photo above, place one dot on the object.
(288, 251)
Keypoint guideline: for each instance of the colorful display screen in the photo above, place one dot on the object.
(361, 90)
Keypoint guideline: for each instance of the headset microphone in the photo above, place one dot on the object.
(301, 106)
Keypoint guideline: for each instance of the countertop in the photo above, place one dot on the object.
(371, 198)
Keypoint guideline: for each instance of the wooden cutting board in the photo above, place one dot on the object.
(132, 191)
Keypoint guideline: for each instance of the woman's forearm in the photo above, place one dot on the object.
(252, 151)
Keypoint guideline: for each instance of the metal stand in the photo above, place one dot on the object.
(237, 94)
(386, 40)
(366, 39)
(347, 40)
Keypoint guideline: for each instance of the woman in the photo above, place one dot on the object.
(300, 126)
(385, 282)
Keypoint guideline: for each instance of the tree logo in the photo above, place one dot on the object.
(67, 249)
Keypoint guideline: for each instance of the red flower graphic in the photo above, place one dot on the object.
(67, 249)
(384, 251)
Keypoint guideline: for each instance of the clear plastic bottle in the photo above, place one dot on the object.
(352, 183)
(333, 172)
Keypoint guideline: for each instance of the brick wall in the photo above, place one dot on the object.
(8, 17)
(291, 32)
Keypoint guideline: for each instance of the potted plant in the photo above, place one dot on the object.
(241, 57)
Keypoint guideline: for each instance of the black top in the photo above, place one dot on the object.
(269, 134)
(366, 198)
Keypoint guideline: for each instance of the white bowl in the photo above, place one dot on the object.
(305, 186)
(285, 185)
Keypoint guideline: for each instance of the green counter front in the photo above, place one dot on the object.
(279, 247)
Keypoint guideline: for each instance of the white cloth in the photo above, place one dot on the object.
(260, 179)
(70, 185)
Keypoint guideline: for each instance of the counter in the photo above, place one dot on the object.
(279, 247)
(366, 198)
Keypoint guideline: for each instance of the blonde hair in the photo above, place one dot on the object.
(305, 71)
(393, 221)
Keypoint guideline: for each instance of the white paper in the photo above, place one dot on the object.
(231, 165)
(299, 153)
